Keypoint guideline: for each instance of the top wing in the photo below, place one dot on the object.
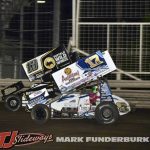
(48, 62)
(84, 70)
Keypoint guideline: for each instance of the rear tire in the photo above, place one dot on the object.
(106, 113)
(40, 113)
(13, 102)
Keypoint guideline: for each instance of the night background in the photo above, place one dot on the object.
(28, 29)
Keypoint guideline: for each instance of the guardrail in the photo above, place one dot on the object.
(136, 92)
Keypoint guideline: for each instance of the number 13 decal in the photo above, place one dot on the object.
(93, 61)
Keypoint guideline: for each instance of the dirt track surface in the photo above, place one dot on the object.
(136, 124)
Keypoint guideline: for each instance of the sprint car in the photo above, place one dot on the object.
(99, 104)
(64, 90)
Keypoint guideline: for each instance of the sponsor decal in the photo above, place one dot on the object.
(40, 99)
(49, 63)
(11, 139)
(71, 77)
(61, 57)
(37, 99)
(37, 93)
(67, 71)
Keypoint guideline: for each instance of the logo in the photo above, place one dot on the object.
(4, 143)
(49, 63)
(10, 139)
(71, 77)
(61, 58)
(67, 71)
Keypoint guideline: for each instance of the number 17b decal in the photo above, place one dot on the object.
(92, 61)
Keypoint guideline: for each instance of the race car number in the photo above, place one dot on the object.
(32, 65)
(93, 61)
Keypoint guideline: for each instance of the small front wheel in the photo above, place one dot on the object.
(106, 113)
(40, 113)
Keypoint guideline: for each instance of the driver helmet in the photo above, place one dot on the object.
(94, 89)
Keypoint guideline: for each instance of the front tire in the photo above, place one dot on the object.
(40, 113)
(13, 102)
(106, 113)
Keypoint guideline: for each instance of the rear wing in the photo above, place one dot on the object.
(83, 71)
(48, 62)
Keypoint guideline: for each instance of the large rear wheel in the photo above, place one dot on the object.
(106, 113)
(40, 113)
